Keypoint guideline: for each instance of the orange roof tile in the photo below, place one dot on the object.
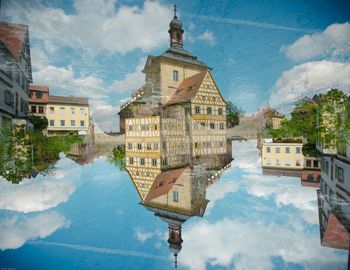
(335, 236)
(42, 88)
(187, 89)
(13, 37)
(164, 182)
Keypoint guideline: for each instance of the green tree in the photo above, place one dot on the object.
(233, 113)
(326, 114)
(21, 151)
(39, 122)
(15, 153)
(303, 122)
(333, 112)
(118, 158)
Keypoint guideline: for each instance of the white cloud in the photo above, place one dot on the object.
(333, 42)
(141, 235)
(96, 26)
(253, 245)
(309, 79)
(43, 192)
(207, 36)
(218, 191)
(131, 81)
(17, 230)
(283, 190)
(65, 81)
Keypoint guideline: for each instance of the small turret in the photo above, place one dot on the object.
(176, 31)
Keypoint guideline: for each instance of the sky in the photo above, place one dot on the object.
(263, 53)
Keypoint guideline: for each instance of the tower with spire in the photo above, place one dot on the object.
(176, 31)
(173, 123)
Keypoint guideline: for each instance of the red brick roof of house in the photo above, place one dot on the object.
(13, 37)
(41, 88)
(335, 236)
(187, 89)
(164, 182)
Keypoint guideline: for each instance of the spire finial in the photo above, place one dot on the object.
(175, 255)
(175, 17)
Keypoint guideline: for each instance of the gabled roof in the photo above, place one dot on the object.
(187, 89)
(164, 182)
(68, 100)
(13, 37)
(336, 235)
(42, 88)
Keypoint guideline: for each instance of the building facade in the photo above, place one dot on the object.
(67, 115)
(283, 155)
(15, 72)
(38, 98)
(334, 192)
(178, 117)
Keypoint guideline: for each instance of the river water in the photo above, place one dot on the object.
(89, 217)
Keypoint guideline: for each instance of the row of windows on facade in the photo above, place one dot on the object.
(287, 162)
(311, 177)
(198, 110)
(208, 144)
(143, 127)
(62, 110)
(63, 123)
(287, 150)
(143, 161)
(148, 146)
(38, 95)
(202, 125)
(37, 109)
(312, 163)
(336, 171)
(15, 73)
(10, 100)
(331, 196)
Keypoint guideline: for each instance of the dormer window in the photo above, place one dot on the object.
(175, 75)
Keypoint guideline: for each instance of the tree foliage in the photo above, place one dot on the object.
(39, 122)
(324, 114)
(21, 151)
(118, 158)
(233, 113)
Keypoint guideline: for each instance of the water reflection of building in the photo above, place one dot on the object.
(334, 192)
(284, 157)
(334, 198)
(175, 196)
(178, 194)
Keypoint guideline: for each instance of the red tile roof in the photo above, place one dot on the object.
(164, 182)
(335, 236)
(42, 88)
(68, 100)
(188, 88)
(13, 37)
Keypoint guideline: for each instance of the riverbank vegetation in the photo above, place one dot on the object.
(24, 153)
